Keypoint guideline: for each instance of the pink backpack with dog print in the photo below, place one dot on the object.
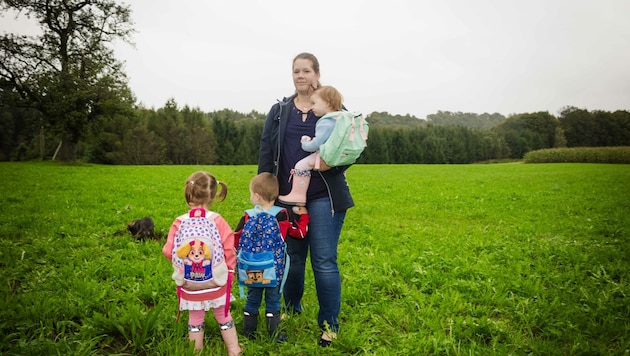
(198, 255)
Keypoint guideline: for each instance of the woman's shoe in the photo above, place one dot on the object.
(326, 339)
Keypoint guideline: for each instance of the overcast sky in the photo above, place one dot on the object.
(403, 57)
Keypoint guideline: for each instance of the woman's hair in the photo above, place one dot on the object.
(314, 62)
(331, 96)
(201, 188)
(266, 185)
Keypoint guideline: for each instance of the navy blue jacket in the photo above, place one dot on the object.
(270, 155)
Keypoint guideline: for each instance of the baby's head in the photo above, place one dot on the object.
(328, 95)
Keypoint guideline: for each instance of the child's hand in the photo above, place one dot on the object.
(299, 210)
(305, 139)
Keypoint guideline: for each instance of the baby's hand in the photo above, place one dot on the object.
(299, 210)
(305, 139)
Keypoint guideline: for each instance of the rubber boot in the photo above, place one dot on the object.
(228, 333)
(273, 324)
(301, 179)
(250, 324)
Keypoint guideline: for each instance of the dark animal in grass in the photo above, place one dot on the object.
(142, 228)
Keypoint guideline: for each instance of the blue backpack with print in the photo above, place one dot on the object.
(261, 259)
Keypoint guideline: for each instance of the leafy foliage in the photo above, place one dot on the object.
(593, 129)
(484, 121)
(66, 73)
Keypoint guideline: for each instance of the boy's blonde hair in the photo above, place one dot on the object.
(266, 185)
(201, 188)
(331, 96)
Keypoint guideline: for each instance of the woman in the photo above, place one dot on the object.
(328, 197)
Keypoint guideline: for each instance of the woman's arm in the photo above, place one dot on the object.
(266, 151)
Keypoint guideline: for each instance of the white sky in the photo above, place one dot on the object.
(400, 56)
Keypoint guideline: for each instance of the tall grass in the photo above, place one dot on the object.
(435, 259)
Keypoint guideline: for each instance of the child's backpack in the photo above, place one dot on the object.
(261, 251)
(198, 255)
(347, 141)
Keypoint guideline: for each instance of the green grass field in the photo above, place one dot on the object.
(497, 259)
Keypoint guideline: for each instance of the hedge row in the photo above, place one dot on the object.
(579, 155)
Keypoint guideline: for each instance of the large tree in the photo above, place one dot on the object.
(68, 73)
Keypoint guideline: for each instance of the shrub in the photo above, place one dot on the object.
(579, 155)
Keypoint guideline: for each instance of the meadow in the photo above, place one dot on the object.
(488, 259)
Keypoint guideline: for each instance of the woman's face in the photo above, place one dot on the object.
(304, 76)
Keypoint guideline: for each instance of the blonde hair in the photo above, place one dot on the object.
(266, 185)
(331, 96)
(201, 189)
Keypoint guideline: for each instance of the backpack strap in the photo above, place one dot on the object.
(361, 126)
(252, 212)
(287, 264)
(353, 124)
(228, 294)
(273, 211)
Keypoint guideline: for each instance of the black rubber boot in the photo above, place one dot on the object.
(273, 324)
(250, 324)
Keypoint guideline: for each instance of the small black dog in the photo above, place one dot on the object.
(142, 228)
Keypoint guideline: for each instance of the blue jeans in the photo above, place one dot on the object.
(322, 239)
(254, 298)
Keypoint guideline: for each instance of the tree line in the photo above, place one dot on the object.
(174, 135)
(63, 95)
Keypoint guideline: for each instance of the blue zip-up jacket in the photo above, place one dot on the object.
(270, 155)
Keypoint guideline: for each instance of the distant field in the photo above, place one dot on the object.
(489, 259)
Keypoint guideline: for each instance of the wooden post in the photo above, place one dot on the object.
(57, 150)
